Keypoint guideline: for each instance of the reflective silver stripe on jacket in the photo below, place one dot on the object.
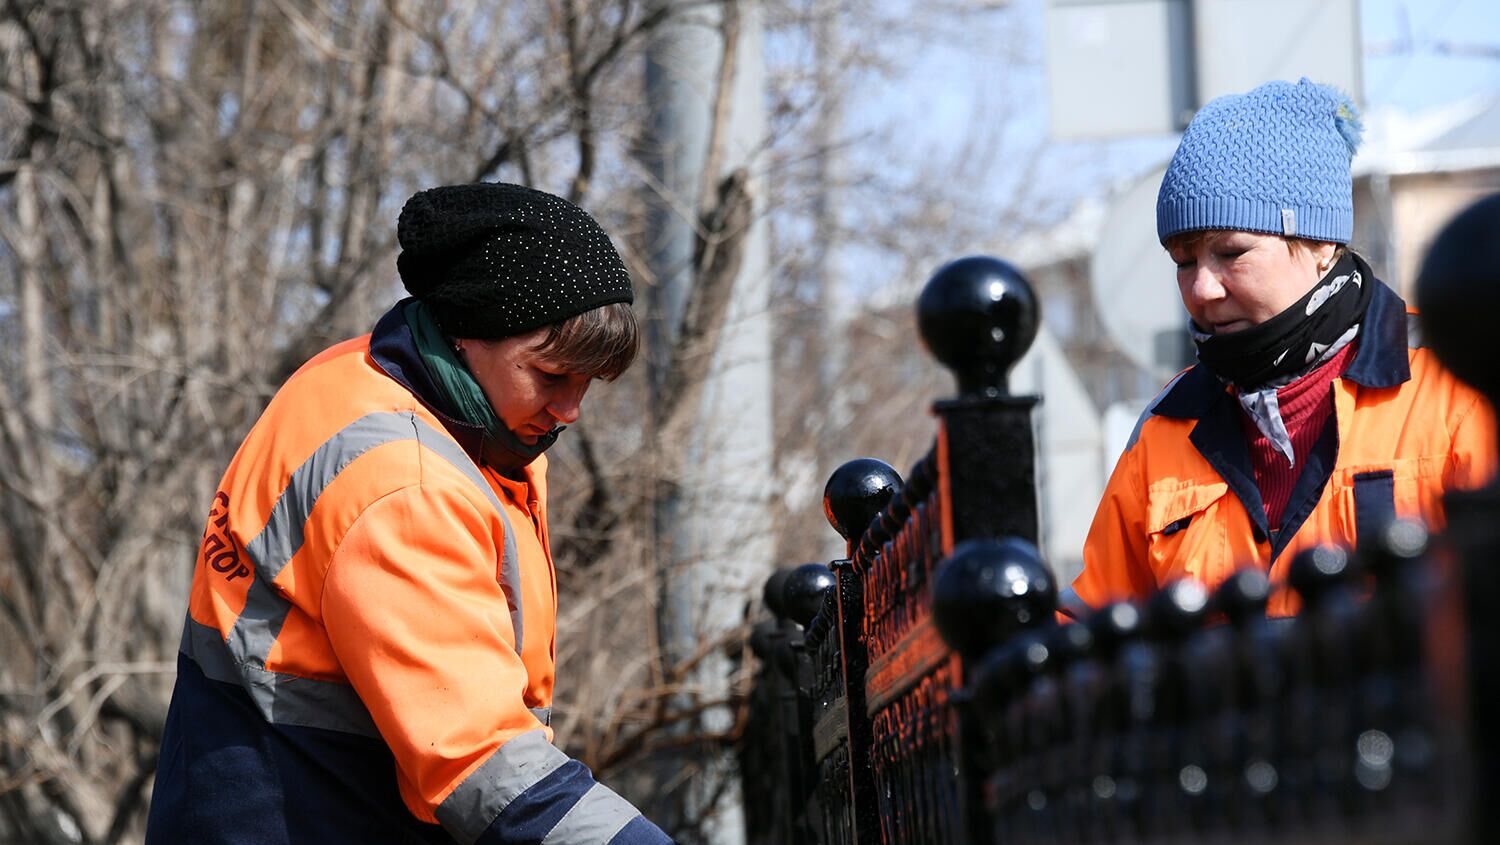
(514, 768)
(254, 633)
(594, 820)
(1135, 433)
(283, 699)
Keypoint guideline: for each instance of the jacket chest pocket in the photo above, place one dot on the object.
(1187, 533)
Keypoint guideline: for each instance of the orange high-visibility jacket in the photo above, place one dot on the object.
(1182, 500)
(370, 643)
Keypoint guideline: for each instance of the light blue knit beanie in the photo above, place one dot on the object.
(1273, 160)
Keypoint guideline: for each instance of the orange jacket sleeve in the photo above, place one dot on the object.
(423, 632)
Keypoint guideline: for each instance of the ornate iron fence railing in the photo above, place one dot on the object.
(922, 690)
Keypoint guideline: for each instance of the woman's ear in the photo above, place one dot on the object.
(1327, 253)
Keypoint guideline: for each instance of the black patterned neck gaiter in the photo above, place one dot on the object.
(1295, 339)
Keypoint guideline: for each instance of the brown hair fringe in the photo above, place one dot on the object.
(1190, 240)
(601, 342)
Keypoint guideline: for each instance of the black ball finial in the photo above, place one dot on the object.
(1317, 571)
(978, 316)
(761, 638)
(1398, 543)
(856, 493)
(988, 590)
(1006, 672)
(775, 591)
(1458, 295)
(1113, 625)
(1177, 609)
(802, 594)
(1070, 643)
(1242, 597)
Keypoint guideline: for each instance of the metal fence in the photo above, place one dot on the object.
(921, 690)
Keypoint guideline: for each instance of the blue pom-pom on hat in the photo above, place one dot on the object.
(1346, 121)
(1275, 159)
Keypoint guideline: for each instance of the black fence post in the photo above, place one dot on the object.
(1458, 294)
(776, 753)
(1112, 796)
(978, 316)
(768, 750)
(855, 495)
(986, 596)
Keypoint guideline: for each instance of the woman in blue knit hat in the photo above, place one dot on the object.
(1314, 415)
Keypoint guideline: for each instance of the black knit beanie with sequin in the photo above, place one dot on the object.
(491, 260)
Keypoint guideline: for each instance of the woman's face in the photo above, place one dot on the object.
(529, 393)
(1231, 280)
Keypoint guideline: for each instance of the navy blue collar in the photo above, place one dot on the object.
(1380, 360)
(394, 351)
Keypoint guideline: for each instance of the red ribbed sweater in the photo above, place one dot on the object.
(1305, 406)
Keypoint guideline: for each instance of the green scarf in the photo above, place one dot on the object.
(502, 449)
(453, 377)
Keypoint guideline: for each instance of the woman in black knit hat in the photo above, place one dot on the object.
(369, 652)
